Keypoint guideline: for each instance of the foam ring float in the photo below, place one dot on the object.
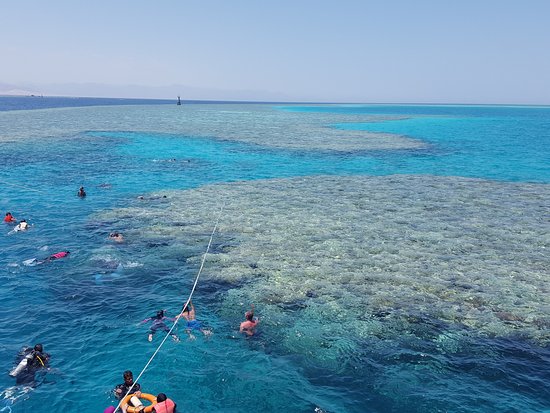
(140, 409)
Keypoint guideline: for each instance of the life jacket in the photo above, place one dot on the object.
(166, 406)
(9, 218)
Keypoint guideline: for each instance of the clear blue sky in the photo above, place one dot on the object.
(441, 51)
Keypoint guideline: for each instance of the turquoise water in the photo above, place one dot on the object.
(86, 309)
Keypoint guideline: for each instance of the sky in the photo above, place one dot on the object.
(364, 51)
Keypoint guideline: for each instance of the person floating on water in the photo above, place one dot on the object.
(188, 313)
(22, 226)
(9, 218)
(249, 325)
(29, 361)
(81, 193)
(164, 404)
(56, 256)
(128, 387)
(116, 236)
(158, 324)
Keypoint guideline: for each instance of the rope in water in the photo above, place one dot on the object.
(186, 303)
(28, 188)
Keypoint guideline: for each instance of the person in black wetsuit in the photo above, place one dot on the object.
(128, 387)
(122, 389)
(29, 361)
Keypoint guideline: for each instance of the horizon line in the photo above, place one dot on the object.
(273, 102)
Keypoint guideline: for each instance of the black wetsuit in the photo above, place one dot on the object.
(35, 361)
(124, 387)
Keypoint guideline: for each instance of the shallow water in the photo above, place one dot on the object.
(381, 286)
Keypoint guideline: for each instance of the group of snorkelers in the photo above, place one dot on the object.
(23, 225)
(187, 313)
(129, 393)
(32, 360)
(162, 404)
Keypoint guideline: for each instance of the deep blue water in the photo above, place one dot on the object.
(89, 326)
(37, 102)
(494, 142)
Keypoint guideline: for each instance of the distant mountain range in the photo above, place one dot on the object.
(139, 91)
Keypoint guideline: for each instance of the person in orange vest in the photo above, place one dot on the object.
(164, 404)
(9, 218)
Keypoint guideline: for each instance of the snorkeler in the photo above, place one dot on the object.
(29, 361)
(249, 325)
(116, 236)
(9, 219)
(56, 256)
(188, 313)
(158, 324)
(81, 193)
(22, 226)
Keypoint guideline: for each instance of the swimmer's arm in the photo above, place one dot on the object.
(144, 321)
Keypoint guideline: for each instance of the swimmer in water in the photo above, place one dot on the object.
(29, 361)
(158, 324)
(9, 219)
(249, 325)
(22, 226)
(188, 313)
(116, 236)
(56, 256)
(127, 387)
(81, 193)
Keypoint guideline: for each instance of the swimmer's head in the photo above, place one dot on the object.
(160, 313)
(39, 348)
(249, 315)
(128, 376)
(161, 397)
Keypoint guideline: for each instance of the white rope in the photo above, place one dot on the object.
(28, 188)
(177, 318)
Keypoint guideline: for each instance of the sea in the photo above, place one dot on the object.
(397, 256)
